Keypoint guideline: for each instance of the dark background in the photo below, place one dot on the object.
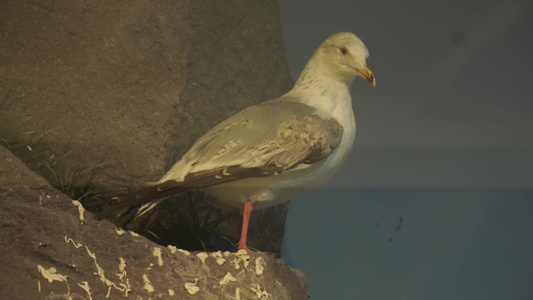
(436, 199)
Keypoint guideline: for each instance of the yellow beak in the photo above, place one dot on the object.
(367, 75)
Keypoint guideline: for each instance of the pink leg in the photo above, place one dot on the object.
(248, 206)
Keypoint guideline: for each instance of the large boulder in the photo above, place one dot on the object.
(137, 82)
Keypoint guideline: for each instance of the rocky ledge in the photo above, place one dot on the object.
(53, 249)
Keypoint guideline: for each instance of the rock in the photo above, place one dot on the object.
(48, 253)
(136, 82)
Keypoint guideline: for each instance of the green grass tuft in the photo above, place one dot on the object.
(186, 221)
(47, 155)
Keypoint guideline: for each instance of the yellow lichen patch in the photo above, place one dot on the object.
(191, 287)
(259, 266)
(260, 294)
(70, 240)
(157, 253)
(241, 256)
(172, 249)
(100, 273)
(220, 261)
(216, 254)
(245, 260)
(240, 252)
(149, 267)
(124, 282)
(202, 256)
(185, 252)
(81, 210)
(122, 265)
(85, 285)
(219, 257)
(236, 264)
(51, 274)
(147, 284)
(119, 231)
(123, 285)
(171, 292)
(227, 279)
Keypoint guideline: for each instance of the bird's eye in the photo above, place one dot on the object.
(343, 50)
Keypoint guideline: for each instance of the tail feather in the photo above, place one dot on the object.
(137, 203)
(140, 202)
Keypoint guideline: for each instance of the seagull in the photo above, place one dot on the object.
(271, 152)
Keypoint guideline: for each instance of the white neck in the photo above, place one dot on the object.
(329, 96)
(322, 92)
(332, 99)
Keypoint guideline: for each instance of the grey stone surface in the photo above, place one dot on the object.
(137, 82)
(41, 229)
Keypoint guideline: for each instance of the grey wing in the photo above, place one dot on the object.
(269, 138)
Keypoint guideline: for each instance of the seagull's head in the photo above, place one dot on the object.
(342, 57)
